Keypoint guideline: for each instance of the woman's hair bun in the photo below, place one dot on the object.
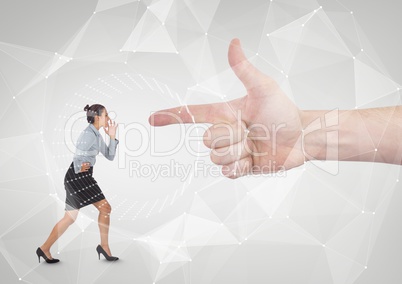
(86, 108)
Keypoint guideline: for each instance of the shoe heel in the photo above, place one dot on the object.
(40, 253)
(100, 250)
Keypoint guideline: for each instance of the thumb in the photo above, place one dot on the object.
(244, 70)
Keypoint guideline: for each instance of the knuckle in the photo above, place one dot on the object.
(207, 138)
(214, 158)
(217, 158)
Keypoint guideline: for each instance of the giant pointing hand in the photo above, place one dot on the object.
(258, 133)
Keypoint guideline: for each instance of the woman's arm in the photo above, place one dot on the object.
(83, 149)
(109, 152)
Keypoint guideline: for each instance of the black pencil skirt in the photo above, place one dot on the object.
(81, 189)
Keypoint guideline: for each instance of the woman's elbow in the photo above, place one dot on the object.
(110, 158)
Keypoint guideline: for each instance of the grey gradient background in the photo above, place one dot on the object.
(204, 229)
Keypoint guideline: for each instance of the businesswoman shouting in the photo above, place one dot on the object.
(81, 188)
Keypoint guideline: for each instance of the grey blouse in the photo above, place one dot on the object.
(89, 143)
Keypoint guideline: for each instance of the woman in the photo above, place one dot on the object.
(81, 188)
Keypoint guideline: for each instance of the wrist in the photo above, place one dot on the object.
(316, 142)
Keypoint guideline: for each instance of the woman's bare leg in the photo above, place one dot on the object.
(104, 221)
(69, 217)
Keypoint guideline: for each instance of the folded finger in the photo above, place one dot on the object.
(239, 168)
(225, 134)
(232, 153)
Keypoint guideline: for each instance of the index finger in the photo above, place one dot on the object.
(206, 113)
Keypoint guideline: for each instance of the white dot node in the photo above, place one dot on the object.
(375, 149)
(163, 24)
(267, 34)
(323, 245)
(302, 25)
(47, 174)
(19, 279)
(206, 34)
(256, 54)
(363, 211)
(125, 62)
(351, 12)
(94, 13)
(373, 213)
(397, 180)
(362, 49)
(354, 57)
(365, 267)
(14, 98)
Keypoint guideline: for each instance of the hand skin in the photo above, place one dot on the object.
(85, 167)
(110, 129)
(366, 135)
(262, 131)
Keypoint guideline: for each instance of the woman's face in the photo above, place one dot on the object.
(103, 118)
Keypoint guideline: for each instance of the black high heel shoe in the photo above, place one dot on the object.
(40, 253)
(100, 250)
